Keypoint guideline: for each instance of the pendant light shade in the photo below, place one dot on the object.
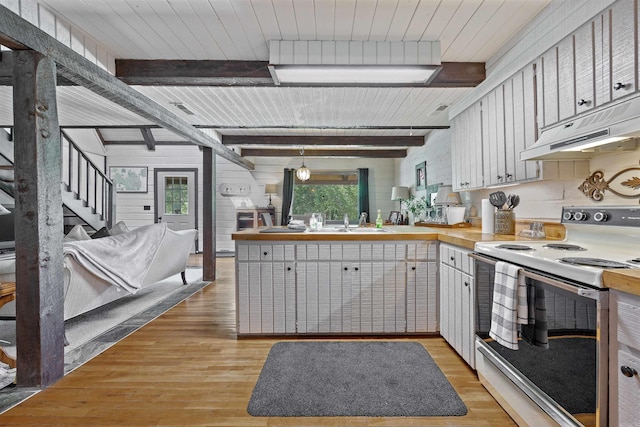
(303, 173)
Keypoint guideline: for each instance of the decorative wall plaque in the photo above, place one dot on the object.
(625, 184)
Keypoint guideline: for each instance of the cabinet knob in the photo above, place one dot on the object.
(628, 371)
(264, 253)
(619, 86)
(509, 175)
(413, 268)
(288, 268)
(583, 102)
(466, 284)
(346, 268)
(356, 269)
(499, 177)
(452, 258)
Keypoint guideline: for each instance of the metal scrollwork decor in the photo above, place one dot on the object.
(623, 184)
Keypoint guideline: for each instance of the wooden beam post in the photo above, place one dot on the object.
(209, 214)
(39, 224)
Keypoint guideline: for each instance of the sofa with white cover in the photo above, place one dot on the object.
(99, 271)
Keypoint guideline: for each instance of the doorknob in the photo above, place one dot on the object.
(159, 219)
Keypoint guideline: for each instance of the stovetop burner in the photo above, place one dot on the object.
(594, 262)
(564, 247)
(515, 247)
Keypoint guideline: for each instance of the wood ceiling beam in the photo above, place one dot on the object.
(148, 138)
(373, 141)
(162, 72)
(374, 154)
(16, 31)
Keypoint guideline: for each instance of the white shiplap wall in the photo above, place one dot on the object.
(436, 151)
(268, 170)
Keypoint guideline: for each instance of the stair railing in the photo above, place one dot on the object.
(87, 182)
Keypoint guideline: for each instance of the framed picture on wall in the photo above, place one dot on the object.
(421, 175)
(129, 179)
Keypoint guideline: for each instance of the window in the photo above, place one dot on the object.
(331, 193)
(176, 195)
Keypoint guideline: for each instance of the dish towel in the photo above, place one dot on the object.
(509, 306)
(536, 331)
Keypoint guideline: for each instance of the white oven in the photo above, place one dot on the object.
(558, 373)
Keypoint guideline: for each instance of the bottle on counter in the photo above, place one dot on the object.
(379, 220)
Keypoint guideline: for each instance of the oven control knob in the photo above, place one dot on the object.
(568, 216)
(600, 216)
(580, 216)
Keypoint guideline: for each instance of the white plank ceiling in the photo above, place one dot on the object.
(469, 31)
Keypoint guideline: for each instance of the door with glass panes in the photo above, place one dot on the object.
(176, 198)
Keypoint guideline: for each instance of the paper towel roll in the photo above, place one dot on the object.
(487, 216)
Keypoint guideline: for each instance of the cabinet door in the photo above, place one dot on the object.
(284, 294)
(623, 35)
(473, 152)
(465, 284)
(628, 391)
(422, 297)
(566, 78)
(584, 39)
(549, 85)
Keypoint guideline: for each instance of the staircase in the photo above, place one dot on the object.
(87, 194)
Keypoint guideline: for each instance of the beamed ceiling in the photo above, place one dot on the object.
(206, 62)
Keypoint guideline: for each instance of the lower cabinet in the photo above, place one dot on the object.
(624, 359)
(457, 300)
(326, 288)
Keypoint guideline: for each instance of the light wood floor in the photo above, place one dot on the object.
(188, 368)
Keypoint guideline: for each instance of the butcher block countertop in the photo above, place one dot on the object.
(622, 280)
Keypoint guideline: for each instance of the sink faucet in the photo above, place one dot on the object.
(363, 220)
(346, 221)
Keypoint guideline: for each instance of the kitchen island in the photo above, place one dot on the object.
(356, 282)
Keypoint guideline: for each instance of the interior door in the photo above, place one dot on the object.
(176, 198)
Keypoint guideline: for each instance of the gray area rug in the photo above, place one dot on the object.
(374, 379)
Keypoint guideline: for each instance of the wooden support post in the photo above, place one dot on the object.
(209, 214)
(39, 222)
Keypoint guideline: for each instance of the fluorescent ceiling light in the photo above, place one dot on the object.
(355, 74)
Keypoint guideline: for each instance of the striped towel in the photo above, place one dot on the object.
(509, 304)
(536, 331)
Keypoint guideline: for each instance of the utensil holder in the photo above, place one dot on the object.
(504, 222)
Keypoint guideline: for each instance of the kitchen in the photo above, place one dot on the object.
(447, 161)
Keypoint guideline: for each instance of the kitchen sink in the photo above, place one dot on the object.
(351, 230)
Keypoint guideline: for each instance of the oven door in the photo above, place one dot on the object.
(561, 362)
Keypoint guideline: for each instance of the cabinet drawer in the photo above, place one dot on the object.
(457, 258)
(628, 321)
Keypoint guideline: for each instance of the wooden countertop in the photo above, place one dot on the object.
(622, 280)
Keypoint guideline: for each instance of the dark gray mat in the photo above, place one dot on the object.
(375, 379)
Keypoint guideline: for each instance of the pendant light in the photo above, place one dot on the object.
(303, 173)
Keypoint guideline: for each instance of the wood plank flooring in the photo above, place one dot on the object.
(188, 368)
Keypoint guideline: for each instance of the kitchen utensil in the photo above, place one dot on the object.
(515, 201)
(498, 199)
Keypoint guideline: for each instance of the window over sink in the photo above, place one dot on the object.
(332, 193)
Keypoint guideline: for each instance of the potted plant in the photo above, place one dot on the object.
(415, 207)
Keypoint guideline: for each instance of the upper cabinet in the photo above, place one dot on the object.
(622, 21)
(593, 66)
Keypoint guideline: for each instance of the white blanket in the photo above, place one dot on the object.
(509, 304)
(123, 259)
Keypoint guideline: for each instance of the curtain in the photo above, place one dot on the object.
(287, 195)
(363, 192)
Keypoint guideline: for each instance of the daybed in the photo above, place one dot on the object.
(99, 271)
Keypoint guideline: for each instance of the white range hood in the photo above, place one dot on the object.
(611, 128)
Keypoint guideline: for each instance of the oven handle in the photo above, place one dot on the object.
(576, 289)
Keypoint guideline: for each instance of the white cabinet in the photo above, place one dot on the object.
(624, 359)
(466, 149)
(457, 311)
(265, 302)
(337, 287)
(422, 287)
(623, 19)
